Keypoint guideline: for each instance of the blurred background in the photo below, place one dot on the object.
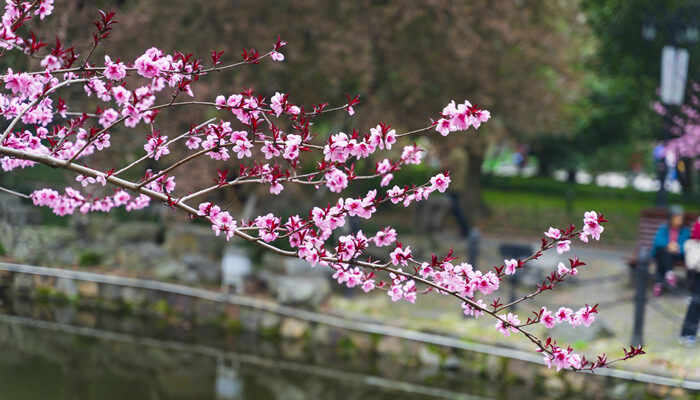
(585, 116)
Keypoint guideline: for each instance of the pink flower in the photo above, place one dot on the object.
(563, 314)
(440, 182)
(400, 255)
(505, 329)
(277, 56)
(561, 269)
(385, 237)
(396, 292)
(563, 246)
(368, 285)
(553, 233)
(470, 310)
(547, 318)
(114, 71)
(510, 266)
(584, 316)
(591, 226)
(386, 180)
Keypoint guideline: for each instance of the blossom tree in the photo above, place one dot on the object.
(685, 126)
(264, 141)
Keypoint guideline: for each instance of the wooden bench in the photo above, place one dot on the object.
(649, 222)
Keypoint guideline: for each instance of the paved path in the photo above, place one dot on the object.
(604, 280)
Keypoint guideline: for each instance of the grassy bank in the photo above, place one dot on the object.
(526, 205)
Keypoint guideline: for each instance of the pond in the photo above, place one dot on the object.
(103, 355)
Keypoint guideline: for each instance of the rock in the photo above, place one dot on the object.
(250, 319)
(65, 315)
(136, 232)
(307, 291)
(42, 245)
(597, 330)
(133, 295)
(269, 324)
(554, 385)
(428, 357)
(201, 268)
(297, 266)
(88, 290)
(329, 335)
(86, 319)
(139, 256)
(292, 328)
(170, 269)
(66, 286)
(111, 293)
(389, 346)
(361, 341)
(206, 310)
(192, 239)
(23, 285)
(41, 281)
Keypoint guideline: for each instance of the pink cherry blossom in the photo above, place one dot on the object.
(563, 246)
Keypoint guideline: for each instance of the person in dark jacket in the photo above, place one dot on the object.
(668, 248)
(689, 330)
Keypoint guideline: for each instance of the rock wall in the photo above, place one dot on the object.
(76, 298)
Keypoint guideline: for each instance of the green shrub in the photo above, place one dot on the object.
(89, 258)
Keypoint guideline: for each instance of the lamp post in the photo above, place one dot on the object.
(674, 70)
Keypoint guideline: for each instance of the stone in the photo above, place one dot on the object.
(301, 291)
(169, 269)
(86, 319)
(41, 281)
(192, 239)
(389, 346)
(428, 356)
(250, 319)
(554, 385)
(200, 268)
(65, 315)
(23, 285)
(292, 328)
(269, 324)
(361, 341)
(133, 296)
(328, 335)
(206, 310)
(111, 293)
(66, 286)
(88, 290)
(42, 244)
(233, 312)
(183, 305)
(140, 256)
(598, 330)
(136, 232)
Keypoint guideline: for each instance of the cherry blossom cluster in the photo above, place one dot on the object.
(256, 139)
(684, 126)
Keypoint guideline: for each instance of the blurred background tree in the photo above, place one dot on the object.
(520, 59)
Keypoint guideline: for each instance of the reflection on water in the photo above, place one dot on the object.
(105, 356)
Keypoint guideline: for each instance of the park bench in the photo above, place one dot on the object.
(649, 222)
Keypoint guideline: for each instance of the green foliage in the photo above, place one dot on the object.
(89, 258)
(3, 252)
(526, 205)
(622, 79)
